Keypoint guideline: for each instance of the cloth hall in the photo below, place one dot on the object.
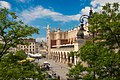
(61, 43)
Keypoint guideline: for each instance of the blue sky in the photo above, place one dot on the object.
(57, 13)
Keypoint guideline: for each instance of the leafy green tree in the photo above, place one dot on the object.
(102, 63)
(76, 72)
(10, 69)
(100, 53)
(106, 26)
(12, 30)
(21, 54)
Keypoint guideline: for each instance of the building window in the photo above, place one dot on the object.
(21, 46)
(30, 49)
(33, 46)
(30, 46)
(33, 49)
(24, 46)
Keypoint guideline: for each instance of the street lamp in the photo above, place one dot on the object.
(80, 33)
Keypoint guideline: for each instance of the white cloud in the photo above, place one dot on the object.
(4, 4)
(44, 27)
(85, 11)
(94, 3)
(40, 39)
(40, 12)
(40, 27)
(97, 4)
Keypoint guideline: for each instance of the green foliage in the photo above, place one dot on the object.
(73, 53)
(102, 63)
(76, 72)
(106, 26)
(99, 52)
(10, 69)
(21, 55)
(12, 30)
(1, 45)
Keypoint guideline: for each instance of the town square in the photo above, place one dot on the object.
(59, 39)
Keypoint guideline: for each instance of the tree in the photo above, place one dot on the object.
(102, 62)
(12, 30)
(106, 26)
(76, 72)
(100, 52)
(10, 69)
(21, 54)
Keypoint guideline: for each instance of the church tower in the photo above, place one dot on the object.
(58, 37)
(48, 40)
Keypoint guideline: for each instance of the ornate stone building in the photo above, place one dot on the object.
(61, 43)
(42, 48)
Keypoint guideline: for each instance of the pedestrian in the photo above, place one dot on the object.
(61, 67)
(49, 76)
(58, 77)
(54, 74)
(47, 67)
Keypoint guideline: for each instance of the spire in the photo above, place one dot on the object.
(48, 26)
(90, 13)
(58, 28)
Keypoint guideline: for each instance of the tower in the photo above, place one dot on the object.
(58, 37)
(48, 40)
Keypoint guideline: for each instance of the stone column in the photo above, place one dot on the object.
(75, 60)
(50, 57)
(53, 55)
(66, 58)
(57, 57)
(60, 57)
(63, 61)
(70, 59)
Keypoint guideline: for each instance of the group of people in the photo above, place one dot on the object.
(45, 67)
(53, 75)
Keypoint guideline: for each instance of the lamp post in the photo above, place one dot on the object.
(80, 34)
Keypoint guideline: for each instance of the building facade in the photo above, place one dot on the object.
(61, 43)
(41, 47)
(31, 47)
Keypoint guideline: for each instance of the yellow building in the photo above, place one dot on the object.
(61, 43)
(30, 48)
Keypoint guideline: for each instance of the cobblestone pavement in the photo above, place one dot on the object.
(60, 69)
